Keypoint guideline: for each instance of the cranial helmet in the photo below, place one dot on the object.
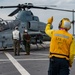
(16, 27)
(25, 30)
(65, 23)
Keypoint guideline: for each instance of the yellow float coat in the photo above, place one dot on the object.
(62, 44)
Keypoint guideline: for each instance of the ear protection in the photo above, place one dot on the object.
(65, 23)
(60, 24)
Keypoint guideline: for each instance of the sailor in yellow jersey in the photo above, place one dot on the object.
(62, 47)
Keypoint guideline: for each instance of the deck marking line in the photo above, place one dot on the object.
(39, 54)
(42, 59)
(17, 65)
(7, 60)
(25, 59)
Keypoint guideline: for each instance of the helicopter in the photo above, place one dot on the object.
(25, 19)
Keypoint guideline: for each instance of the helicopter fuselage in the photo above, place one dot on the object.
(24, 20)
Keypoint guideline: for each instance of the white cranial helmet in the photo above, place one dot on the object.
(16, 27)
(25, 30)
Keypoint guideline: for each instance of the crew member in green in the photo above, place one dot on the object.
(26, 42)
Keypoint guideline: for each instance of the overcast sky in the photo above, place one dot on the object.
(42, 14)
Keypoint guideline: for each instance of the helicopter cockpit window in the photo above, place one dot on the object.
(3, 25)
(35, 18)
(1, 19)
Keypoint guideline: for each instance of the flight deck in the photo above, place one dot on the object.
(34, 64)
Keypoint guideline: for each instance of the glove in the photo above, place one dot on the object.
(50, 20)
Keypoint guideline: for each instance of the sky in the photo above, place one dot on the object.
(42, 14)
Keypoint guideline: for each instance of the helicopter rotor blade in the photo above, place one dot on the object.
(14, 12)
(29, 6)
(32, 6)
(52, 9)
(60, 9)
(8, 7)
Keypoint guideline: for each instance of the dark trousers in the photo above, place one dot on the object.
(58, 66)
(16, 47)
(27, 47)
